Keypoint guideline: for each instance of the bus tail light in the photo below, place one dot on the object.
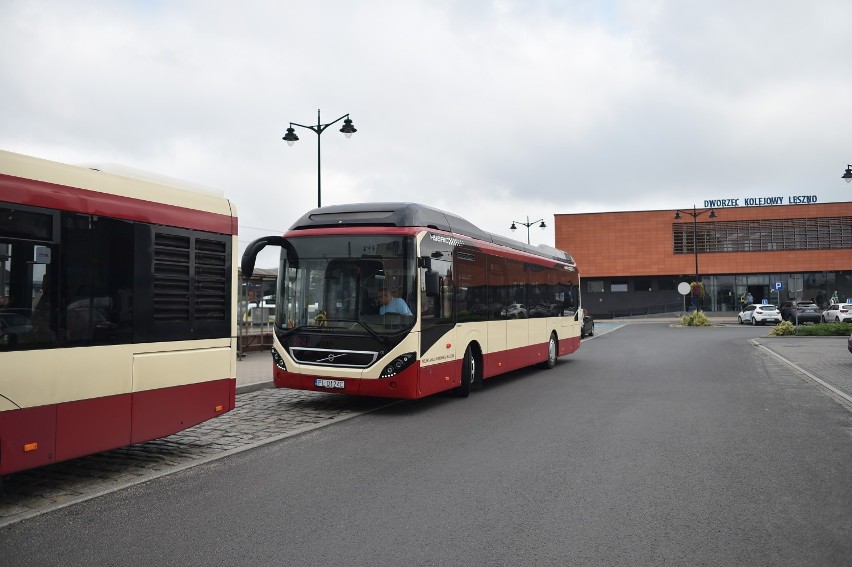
(398, 364)
(30, 447)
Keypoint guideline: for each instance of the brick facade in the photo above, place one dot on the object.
(640, 243)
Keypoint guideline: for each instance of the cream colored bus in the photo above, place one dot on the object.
(403, 300)
(117, 310)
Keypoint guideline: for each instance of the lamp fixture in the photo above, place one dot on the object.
(528, 224)
(291, 138)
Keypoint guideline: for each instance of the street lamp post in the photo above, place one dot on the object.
(848, 175)
(528, 224)
(695, 213)
(291, 138)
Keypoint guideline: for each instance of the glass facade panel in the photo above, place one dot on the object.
(826, 233)
(724, 293)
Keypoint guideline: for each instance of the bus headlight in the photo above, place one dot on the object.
(276, 358)
(398, 364)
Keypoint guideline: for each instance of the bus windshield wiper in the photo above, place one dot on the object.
(378, 337)
(366, 327)
(288, 330)
(326, 327)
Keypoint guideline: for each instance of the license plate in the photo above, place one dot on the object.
(324, 383)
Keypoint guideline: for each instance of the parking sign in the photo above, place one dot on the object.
(779, 286)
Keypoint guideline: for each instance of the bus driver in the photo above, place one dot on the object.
(390, 304)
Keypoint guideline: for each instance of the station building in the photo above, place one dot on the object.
(631, 263)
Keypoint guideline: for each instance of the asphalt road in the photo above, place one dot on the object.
(651, 445)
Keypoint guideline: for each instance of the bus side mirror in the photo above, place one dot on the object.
(253, 249)
(425, 262)
(432, 284)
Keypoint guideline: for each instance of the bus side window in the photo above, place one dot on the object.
(438, 308)
(498, 288)
(27, 265)
(97, 282)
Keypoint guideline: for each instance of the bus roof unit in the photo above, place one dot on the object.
(414, 215)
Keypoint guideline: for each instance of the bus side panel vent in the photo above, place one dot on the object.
(172, 269)
(187, 294)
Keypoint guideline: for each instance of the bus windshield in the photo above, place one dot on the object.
(341, 283)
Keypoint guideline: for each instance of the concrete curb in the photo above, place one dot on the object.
(246, 388)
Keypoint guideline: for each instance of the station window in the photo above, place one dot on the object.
(594, 286)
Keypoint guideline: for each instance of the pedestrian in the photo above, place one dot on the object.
(834, 297)
(749, 298)
(743, 302)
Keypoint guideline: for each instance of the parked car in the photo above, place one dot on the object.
(491, 310)
(849, 342)
(744, 316)
(14, 322)
(759, 314)
(801, 311)
(588, 328)
(838, 313)
(514, 311)
(545, 310)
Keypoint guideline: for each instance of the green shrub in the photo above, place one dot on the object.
(825, 330)
(783, 328)
(815, 330)
(695, 319)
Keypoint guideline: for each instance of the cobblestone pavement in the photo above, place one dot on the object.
(265, 414)
(261, 416)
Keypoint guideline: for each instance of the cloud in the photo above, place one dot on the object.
(497, 110)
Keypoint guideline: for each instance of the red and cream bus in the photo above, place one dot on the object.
(464, 305)
(117, 310)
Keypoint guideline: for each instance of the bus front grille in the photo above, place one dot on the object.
(333, 357)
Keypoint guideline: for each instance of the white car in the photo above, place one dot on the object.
(837, 313)
(515, 311)
(759, 314)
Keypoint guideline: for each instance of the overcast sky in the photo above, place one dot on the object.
(496, 110)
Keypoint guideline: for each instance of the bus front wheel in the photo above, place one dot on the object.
(470, 375)
(552, 346)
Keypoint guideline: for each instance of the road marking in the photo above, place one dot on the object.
(602, 329)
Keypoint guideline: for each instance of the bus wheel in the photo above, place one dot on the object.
(470, 374)
(552, 347)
